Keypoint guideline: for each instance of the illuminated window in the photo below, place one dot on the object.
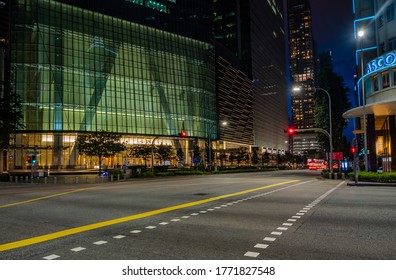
(385, 79)
(375, 82)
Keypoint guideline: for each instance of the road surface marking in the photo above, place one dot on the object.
(185, 217)
(282, 228)
(135, 231)
(151, 227)
(77, 249)
(203, 212)
(71, 231)
(271, 239)
(100, 242)
(45, 197)
(287, 224)
(163, 223)
(119, 236)
(307, 208)
(210, 209)
(252, 254)
(291, 220)
(296, 217)
(303, 211)
(194, 214)
(175, 220)
(300, 214)
(276, 233)
(261, 246)
(51, 257)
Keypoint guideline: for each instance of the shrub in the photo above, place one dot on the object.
(4, 177)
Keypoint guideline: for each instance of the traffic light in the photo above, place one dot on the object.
(183, 134)
(353, 150)
(290, 131)
(353, 147)
(33, 159)
(29, 159)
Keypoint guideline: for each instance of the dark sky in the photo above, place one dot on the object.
(333, 31)
(332, 22)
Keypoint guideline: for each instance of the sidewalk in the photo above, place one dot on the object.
(370, 184)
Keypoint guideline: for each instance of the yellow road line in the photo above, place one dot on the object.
(45, 197)
(63, 233)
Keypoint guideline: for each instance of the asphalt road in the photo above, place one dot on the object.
(269, 215)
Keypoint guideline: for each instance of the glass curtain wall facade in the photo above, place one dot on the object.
(79, 71)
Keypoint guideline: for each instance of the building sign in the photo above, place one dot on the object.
(382, 62)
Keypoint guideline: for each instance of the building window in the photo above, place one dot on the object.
(385, 79)
(382, 48)
(390, 13)
(394, 77)
(375, 82)
(392, 44)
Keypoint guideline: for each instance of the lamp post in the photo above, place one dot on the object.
(361, 35)
(210, 144)
(331, 127)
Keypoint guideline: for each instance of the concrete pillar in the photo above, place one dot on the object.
(392, 133)
(371, 138)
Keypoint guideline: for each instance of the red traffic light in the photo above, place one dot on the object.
(29, 159)
(353, 150)
(183, 133)
(290, 130)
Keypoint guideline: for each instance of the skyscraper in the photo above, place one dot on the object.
(302, 61)
(253, 31)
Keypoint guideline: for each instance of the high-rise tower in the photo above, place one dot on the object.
(302, 63)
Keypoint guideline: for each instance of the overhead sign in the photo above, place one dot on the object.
(382, 62)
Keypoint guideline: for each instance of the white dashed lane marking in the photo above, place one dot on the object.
(51, 257)
(119, 236)
(276, 233)
(261, 246)
(151, 227)
(271, 239)
(282, 228)
(252, 254)
(163, 223)
(77, 249)
(101, 242)
(136, 231)
(287, 224)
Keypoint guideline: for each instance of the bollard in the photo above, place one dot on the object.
(64, 180)
(76, 180)
(27, 179)
(16, 179)
(11, 178)
(45, 180)
(336, 176)
(343, 176)
(31, 180)
(330, 176)
(111, 178)
(54, 180)
(118, 177)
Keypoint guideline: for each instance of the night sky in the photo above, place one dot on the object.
(333, 31)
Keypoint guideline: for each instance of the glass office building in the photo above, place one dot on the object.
(79, 70)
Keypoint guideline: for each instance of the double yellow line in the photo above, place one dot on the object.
(63, 233)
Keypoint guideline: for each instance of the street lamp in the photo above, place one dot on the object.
(331, 127)
(224, 123)
(361, 35)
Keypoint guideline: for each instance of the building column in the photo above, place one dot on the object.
(371, 138)
(392, 133)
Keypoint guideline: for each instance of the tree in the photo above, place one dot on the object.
(165, 153)
(101, 144)
(142, 151)
(11, 116)
(255, 158)
(180, 155)
(335, 85)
